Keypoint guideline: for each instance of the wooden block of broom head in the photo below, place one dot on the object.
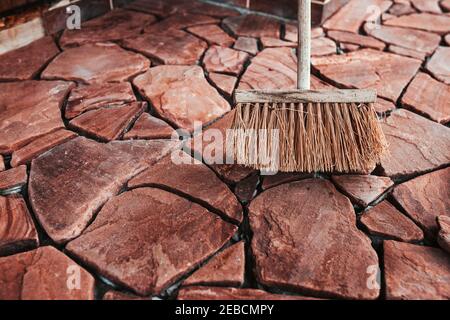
(305, 96)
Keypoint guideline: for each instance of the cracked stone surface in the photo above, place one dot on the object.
(416, 272)
(225, 269)
(444, 232)
(95, 96)
(24, 119)
(116, 25)
(388, 73)
(224, 60)
(438, 65)
(425, 198)
(181, 95)
(428, 96)
(17, 231)
(167, 235)
(108, 123)
(218, 293)
(172, 47)
(146, 228)
(13, 178)
(150, 127)
(72, 181)
(302, 246)
(212, 34)
(362, 189)
(94, 63)
(416, 144)
(41, 274)
(193, 180)
(386, 221)
(25, 63)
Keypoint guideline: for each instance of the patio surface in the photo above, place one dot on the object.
(92, 205)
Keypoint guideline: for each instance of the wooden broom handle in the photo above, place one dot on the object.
(304, 45)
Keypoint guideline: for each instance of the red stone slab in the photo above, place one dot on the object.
(195, 181)
(291, 32)
(2, 163)
(13, 178)
(178, 21)
(26, 62)
(159, 230)
(401, 7)
(108, 123)
(149, 127)
(246, 44)
(382, 105)
(27, 117)
(116, 25)
(17, 231)
(445, 4)
(439, 66)
(386, 221)
(427, 96)
(172, 47)
(225, 269)
(351, 16)
(356, 39)
(416, 144)
(431, 6)
(212, 34)
(245, 189)
(225, 83)
(85, 98)
(422, 21)
(416, 40)
(425, 198)
(44, 274)
(362, 189)
(268, 42)
(217, 293)
(282, 178)
(94, 63)
(32, 150)
(305, 239)
(322, 46)
(181, 95)
(444, 232)
(224, 60)
(117, 295)
(388, 73)
(253, 25)
(407, 52)
(416, 272)
(69, 183)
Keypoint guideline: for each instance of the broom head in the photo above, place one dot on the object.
(307, 131)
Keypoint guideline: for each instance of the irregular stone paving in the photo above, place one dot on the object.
(429, 97)
(416, 272)
(85, 98)
(181, 95)
(26, 62)
(305, 239)
(110, 123)
(165, 234)
(58, 187)
(362, 189)
(17, 231)
(116, 25)
(225, 269)
(41, 274)
(386, 221)
(193, 180)
(147, 228)
(26, 118)
(444, 232)
(416, 144)
(94, 63)
(217, 293)
(425, 198)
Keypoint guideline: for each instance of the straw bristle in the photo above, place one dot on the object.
(308, 137)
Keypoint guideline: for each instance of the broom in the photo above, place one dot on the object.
(306, 130)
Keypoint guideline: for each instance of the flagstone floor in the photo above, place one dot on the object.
(93, 205)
